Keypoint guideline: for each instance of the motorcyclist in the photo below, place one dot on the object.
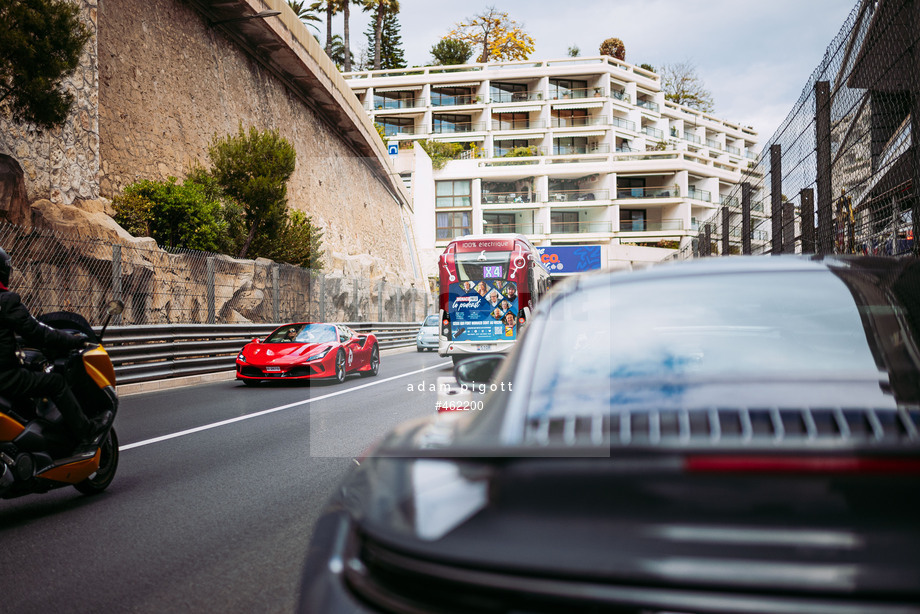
(17, 381)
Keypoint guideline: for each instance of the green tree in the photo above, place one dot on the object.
(300, 242)
(682, 85)
(615, 48)
(391, 53)
(253, 168)
(308, 14)
(338, 55)
(175, 215)
(574, 51)
(450, 52)
(648, 67)
(495, 35)
(379, 8)
(440, 152)
(40, 45)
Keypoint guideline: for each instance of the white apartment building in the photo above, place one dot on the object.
(577, 152)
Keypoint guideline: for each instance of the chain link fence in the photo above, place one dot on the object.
(53, 271)
(839, 174)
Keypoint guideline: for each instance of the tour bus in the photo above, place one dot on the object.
(488, 287)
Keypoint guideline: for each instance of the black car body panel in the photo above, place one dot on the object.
(658, 490)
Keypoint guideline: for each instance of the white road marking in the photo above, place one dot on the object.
(206, 427)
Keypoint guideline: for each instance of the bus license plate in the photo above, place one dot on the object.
(483, 348)
(272, 369)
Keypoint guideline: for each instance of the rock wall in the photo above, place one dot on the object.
(155, 85)
(63, 164)
(169, 83)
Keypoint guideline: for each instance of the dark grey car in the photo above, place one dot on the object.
(729, 435)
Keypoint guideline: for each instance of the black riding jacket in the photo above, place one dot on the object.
(16, 319)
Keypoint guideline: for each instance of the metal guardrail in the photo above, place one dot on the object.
(163, 351)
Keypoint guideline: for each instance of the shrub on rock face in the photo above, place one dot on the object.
(175, 215)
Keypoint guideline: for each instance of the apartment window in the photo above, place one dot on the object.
(394, 100)
(563, 221)
(630, 187)
(503, 148)
(453, 193)
(507, 92)
(451, 224)
(397, 125)
(510, 121)
(563, 118)
(567, 88)
(447, 124)
(498, 222)
(570, 145)
(632, 220)
(447, 96)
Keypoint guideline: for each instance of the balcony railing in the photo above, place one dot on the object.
(733, 150)
(579, 227)
(619, 95)
(448, 100)
(729, 201)
(566, 93)
(713, 144)
(392, 130)
(456, 127)
(646, 226)
(578, 122)
(567, 150)
(384, 104)
(500, 97)
(647, 104)
(517, 124)
(524, 229)
(519, 152)
(653, 132)
(696, 194)
(750, 155)
(506, 198)
(689, 136)
(667, 192)
(624, 123)
(569, 196)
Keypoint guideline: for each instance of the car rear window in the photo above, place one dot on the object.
(799, 324)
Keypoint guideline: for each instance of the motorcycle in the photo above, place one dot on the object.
(38, 452)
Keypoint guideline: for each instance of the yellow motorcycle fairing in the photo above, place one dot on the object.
(99, 366)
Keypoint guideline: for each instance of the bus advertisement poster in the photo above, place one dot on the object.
(484, 310)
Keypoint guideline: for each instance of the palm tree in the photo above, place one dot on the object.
(306, 14)
(340, 54)
(346, 13)
(380, 7)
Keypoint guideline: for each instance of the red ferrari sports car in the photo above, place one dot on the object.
(308, 350)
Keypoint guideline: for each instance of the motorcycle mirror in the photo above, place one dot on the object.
(115, 307)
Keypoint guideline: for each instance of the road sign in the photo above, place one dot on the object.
(393, 149)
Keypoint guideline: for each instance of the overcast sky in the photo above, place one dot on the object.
(754, 56)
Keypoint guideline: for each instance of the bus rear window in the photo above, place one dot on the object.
(476, 266)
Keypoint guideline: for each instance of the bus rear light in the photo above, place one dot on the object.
(521, 321)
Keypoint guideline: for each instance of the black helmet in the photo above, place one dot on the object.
(6, 267)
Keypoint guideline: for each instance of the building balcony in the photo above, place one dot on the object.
(571, 196)
(499, 125)
(644, 193)
(524, 229)
(448, 100)
(395, 131)
(619, 122)
(578, 122)
(502, 97)
(692, 138)
(580, 227)
(696, 194)
(656, 227)
(568, 150)
(505, 198)
(394, 105)
(655, 133)
(457, 127)
(574, 93)
(619, 95)
(648, 105)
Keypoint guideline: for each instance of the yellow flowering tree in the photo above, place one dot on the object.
(494, 35)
